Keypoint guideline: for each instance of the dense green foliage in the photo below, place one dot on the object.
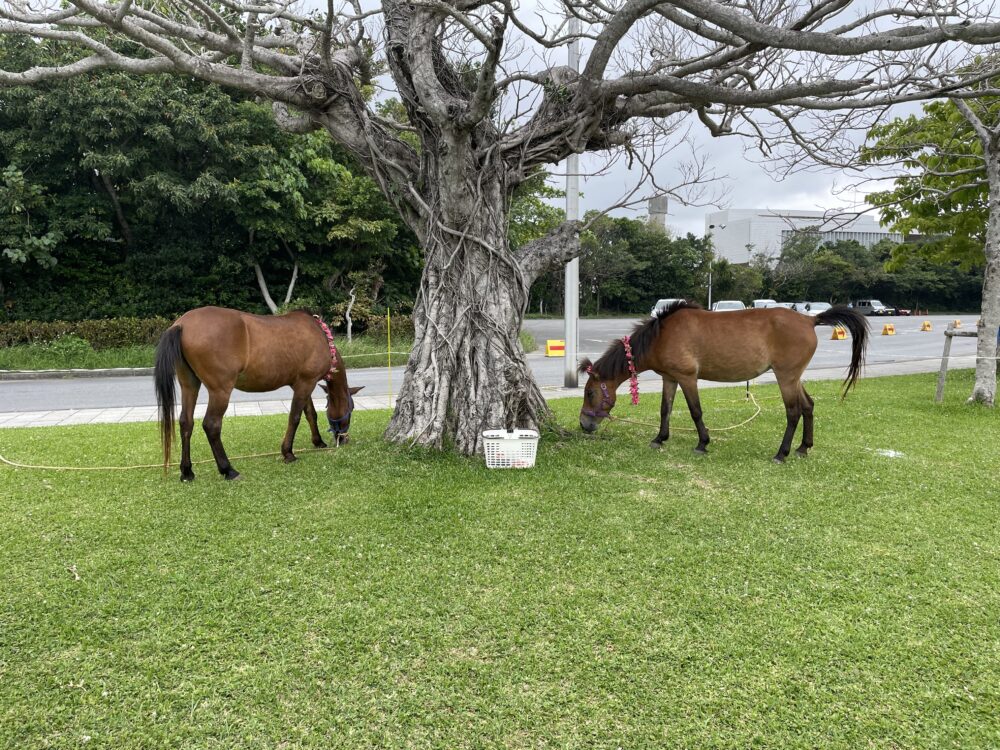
(809, 269)
(625, 266)
(99, 334)
(126, 195)
(613, 596)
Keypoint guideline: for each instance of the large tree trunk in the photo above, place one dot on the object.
(467, 371)
(985, 389)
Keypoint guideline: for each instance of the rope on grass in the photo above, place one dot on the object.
(18, 465)
(692, 429)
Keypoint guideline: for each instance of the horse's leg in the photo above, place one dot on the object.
(793, 410)
(689, 386)
(190, 385)
(805, 400)
(302, 395)
(218, 402)
(311, 419)
(666, 406)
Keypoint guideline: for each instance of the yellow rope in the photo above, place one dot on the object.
(17, 465)
(692, 429)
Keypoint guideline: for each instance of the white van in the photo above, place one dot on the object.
(761, 303)
(662, 304)
(728, 305)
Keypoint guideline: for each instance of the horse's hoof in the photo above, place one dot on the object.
(232, 475)
(291, 458)
(187, 477)
(778, 459)
(802, 453)
(656, 445)
(701, 451)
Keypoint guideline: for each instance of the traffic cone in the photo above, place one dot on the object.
(839, 333)
(926, 326)
(888, 330)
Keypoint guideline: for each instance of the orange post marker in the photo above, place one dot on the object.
(926, 326)
(555, 348)
(839, 333)
(888, 330)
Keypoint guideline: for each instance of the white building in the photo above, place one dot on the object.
(740, 233)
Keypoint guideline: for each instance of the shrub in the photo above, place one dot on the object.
(100, 334)
(70, 345)
(402, 326)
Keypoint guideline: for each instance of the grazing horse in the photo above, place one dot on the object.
(227, 349)
(683, 343)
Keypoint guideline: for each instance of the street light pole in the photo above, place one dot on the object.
(571, 306)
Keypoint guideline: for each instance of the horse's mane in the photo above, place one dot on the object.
(613, 363)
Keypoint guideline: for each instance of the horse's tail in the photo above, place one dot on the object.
(168, 351)
(856, 323)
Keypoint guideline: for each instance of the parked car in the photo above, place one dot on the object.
(871, 307)
(786, 305)
(762, 303)
(662, 304)
(811, 308)
(903, 311)
(728, 305)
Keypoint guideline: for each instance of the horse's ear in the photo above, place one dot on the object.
(585, 365)
(355, 389)
(322, 384)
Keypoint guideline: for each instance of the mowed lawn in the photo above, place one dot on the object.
(614, 596)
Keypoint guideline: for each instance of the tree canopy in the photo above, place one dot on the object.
(126, 194)
(944, 194)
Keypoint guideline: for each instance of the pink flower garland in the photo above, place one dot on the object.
(633, 380)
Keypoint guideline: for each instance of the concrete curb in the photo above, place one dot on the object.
(112, 372)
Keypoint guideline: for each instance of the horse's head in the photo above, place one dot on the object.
(339, 407)
(598, 398)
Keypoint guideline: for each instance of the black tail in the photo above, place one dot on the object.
(857, 324)
(168, 351)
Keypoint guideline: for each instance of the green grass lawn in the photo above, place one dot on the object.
(611, 597)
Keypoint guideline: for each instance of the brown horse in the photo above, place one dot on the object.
(684, 343)
(227, 349)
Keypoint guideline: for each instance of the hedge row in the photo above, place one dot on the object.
(101, 334)
(118, 332)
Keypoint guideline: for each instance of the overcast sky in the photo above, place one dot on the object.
(747, 183)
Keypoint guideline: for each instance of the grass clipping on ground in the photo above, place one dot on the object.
(613, 596)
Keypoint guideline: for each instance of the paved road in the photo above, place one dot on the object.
(908, 351)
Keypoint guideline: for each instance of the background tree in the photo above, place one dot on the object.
(162, 193)
(951, 194)
(487, 112)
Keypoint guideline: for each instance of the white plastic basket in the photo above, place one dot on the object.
(510, 449)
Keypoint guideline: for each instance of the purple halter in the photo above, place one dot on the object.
(602, 411)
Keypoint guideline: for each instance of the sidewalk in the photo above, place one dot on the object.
(62, 417)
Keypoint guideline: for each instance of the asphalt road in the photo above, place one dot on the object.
(908, 351)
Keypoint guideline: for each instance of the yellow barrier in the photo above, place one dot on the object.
(839, 333)
(957, 324)
(888, 330)
(555, 348)
(926, 326)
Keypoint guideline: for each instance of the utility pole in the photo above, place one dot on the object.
(571, 306)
